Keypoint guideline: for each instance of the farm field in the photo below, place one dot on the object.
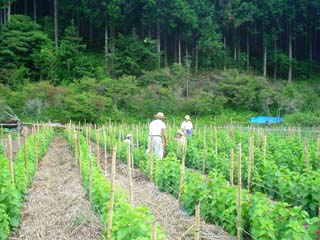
(193, 192)
(283, 177)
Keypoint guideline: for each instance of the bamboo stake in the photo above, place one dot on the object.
(11, 160)
(182, 172)
(306, 153)
(151, 159)
(35, 147)
(79, 153)
(154, 231)
(250, 162)
(19, 142)
(98, 147)
(137, 135)
(231, 166)
(239, 193)
(105, 150)
(197, 222)
(318, 151)
(113, 172)
(215, 140)
(75, 145)
(204, 151)
(129, 174)
(90, 173)
(265, 142)
(25, 153)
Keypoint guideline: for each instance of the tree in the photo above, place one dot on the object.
(20, 44)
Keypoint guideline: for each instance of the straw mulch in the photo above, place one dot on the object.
(56, 207)
(176, 223)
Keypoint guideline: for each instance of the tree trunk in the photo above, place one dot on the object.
(56, 42)
(310, 44)
(9, 11)
(158, 45)
(264, 59)
(235, 43)
(248, 53)
(90, 32)
(290, 59)
(4, 16)
(106, 45)
(1, 19)
(175, 57)
(179, 50)
(275, 60)
(25, 7)
(35, 10)
(112, 51)
(225, 53)
(165, 53)
(188, 70)
(197, 61)
(142, 32)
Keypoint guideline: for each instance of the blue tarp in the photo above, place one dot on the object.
(265, 120)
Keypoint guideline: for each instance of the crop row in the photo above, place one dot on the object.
(269, 174)
(129, 222)
(261, 217)
(12, 192)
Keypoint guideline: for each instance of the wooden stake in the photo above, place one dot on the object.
(79, 153)
(75, 145)
(215, 140)
(35, 147)
(11, 160)
(265, 142)
(25, 153)
(204, 151)
(239, 194)
(231, 166)
(129, 173)
(197, 222)
(151, 159)
(113, 172)
(182, 172)
(137, 135)
(90, 173)
(19, 143)
(306, 154)
(154, 231)
(98, 147)
(318, 151)
(105, 150)
(249, 162)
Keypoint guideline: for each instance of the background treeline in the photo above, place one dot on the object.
(141, 55)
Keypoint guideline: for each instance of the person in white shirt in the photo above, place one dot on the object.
(157, 134)
(186, 125)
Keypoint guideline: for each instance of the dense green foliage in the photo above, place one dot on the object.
(163, 55)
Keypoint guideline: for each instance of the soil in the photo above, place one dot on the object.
(55, 206)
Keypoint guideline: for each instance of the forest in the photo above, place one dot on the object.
(175, 56)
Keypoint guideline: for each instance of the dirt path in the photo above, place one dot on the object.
(176, 223)
(56, 207)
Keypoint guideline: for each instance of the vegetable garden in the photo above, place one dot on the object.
(254, 183)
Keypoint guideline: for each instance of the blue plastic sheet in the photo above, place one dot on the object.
(266, 120)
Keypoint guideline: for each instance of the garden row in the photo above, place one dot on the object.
(111, 203)
(16, 177)
(260, 218)
(279, 166)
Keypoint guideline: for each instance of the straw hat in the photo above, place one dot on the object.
(159, 115)
(187, 117)
(129, 135)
